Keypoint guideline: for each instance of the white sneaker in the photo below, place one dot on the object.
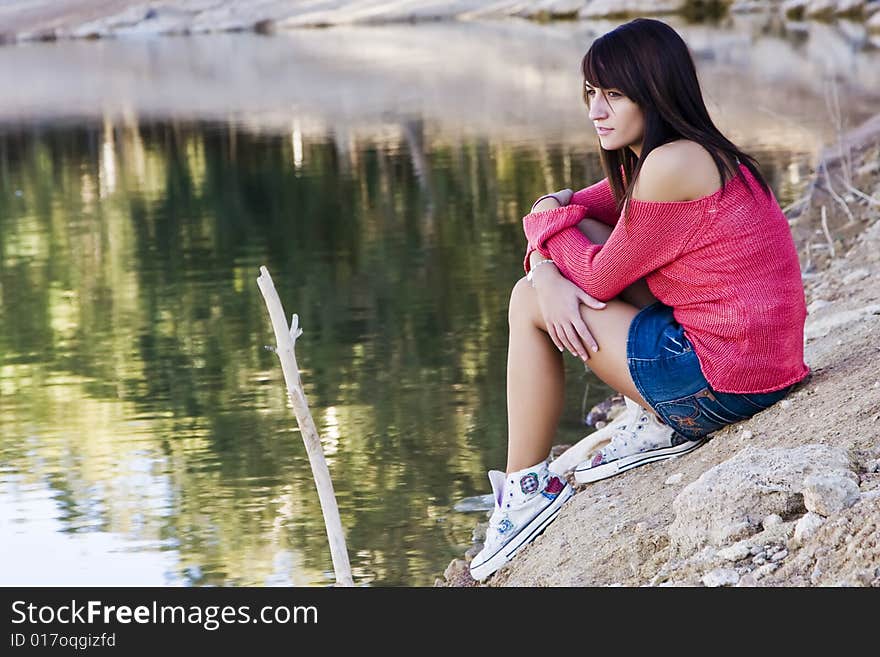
(642, 440)
(525, 503)
(571, 457)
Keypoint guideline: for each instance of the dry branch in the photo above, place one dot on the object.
(834, 195)
(285, 338)
(827, 232)
(858, 192)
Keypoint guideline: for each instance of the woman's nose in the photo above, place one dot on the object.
(598, 109)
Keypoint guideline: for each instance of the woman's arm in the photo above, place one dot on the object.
(653, 235)
(599, 201)
(596, 201)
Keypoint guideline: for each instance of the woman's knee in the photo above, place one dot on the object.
(522, 301)
(595, 230)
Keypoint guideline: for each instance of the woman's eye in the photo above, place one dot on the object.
(608, 94)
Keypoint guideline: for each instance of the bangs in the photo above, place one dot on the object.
(607, 65)
(595, 66)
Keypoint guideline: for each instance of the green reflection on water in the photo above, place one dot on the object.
(134, 382)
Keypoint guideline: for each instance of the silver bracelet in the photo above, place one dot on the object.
(534, 267)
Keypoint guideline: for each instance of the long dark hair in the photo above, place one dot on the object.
(650, 63)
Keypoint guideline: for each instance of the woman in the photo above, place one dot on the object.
(675, 279)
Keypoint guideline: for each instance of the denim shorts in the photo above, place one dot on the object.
(667, 374)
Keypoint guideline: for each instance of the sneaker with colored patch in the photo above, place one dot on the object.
(525, 503)
(643, 440)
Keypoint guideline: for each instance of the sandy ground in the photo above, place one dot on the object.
(658, 524)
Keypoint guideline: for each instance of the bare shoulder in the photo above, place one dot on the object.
(678, 171)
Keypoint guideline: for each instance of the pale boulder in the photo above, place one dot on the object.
(827, 494)
(807, 526)
(729, 501)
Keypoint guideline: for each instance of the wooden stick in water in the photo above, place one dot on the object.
(285, 338)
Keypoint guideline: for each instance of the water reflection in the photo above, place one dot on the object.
(135, 384)
(144, 428)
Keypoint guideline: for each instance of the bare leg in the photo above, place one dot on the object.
(536, 376)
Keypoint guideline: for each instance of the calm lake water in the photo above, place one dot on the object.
(381, 175)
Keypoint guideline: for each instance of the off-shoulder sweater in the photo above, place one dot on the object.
(726, 263)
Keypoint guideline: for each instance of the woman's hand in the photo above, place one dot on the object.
(559, 300)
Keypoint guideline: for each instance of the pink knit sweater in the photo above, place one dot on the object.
(726, 264)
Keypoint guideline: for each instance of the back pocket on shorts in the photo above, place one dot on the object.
(697, 415)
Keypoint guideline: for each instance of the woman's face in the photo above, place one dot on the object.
(619, 122)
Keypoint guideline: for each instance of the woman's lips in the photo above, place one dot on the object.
(604, 131)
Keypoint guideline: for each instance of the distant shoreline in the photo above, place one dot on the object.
(96, 19)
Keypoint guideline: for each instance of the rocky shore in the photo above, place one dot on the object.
(28, 20)
(790, 497)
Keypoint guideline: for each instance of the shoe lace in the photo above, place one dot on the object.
(623, 435)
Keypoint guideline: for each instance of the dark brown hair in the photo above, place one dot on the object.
(650, 63)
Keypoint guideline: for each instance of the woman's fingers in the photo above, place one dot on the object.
(591, 301)
(585, 336)
(551, 331)
(576, 346)
(573, 337)
(562, 332)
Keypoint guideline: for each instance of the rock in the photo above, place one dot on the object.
(735, 552)
(817, 304)
(746, 6)
(773, 520)
(547, 9)
(457, 571)
(726, 502)
(820, 327)
(721, 577)
(766, 569)
(616, 8)
(827, 494)
(849, 7)
(873, 465)
(747, 580)
(855, 276)
(826, 9)
(674, 479)
(870, 496)
(476, 503)
(779, 555)
(746, 435)
(472, 551)
(807, 526)
(795, 9)
(605, 411)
